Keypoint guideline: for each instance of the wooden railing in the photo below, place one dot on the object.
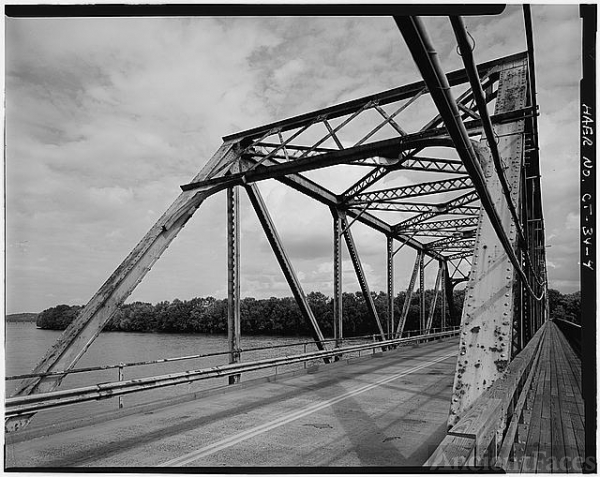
(484, 436)
(572, 332)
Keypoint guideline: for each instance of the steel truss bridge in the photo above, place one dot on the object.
(473, 207)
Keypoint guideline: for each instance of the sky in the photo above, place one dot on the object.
(106, 118)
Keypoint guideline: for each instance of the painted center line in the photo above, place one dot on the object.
(255, 431)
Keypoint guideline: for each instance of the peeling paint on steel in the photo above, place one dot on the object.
(483, 351)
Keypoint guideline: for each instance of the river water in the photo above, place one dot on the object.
(25, 345)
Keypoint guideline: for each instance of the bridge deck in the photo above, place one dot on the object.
(387, 411)
(553, 433)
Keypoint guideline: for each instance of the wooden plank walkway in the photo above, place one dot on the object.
(552, 434)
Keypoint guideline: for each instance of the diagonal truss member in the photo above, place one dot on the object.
(358, 268)
(284, 261)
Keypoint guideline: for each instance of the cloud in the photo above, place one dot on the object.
(572, 222)
(106, 118)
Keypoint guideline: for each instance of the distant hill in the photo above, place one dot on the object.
(22, 317)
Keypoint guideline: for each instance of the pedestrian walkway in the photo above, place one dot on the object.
(552, 434)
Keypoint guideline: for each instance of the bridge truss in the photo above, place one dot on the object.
(473, 207)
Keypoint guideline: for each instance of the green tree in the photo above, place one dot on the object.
(57, 317)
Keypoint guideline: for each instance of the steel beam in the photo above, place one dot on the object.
(408, 296)
(425, 188)
(284, 262)
(469, 62)
(429, 164)
(367, 180)
(422, 296)
(426, 58)
(388, 147)
(386, 97)
(465, 246)
(456, 239)
(444, 273)
(433, 209)
(439, 209)
(360, 274)
(436, 233)
(319, 193)
(390, 286)
(450, 224)
(449, 291)
(233, 278)
(436, 290)
(338, 332)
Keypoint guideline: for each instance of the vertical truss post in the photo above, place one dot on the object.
(360, 274)
(444, 273)
(408, 296)
(422, 296)
(284, 262)
(436, 289)
(449, 291)
(390, 286)
(338, 331)
(233, 278)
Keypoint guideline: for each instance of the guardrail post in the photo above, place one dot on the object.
(305, 353)
(121, 379)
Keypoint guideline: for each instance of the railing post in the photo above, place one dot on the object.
(121, 379)
(304, 353)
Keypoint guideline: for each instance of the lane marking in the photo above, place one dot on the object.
(255, 431)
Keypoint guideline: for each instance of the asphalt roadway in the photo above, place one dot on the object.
(387, 410)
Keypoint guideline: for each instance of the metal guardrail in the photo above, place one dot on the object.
(23, 405)
(175, 359)
(121, 366)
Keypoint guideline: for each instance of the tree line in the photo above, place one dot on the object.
(281, 316)
(566, 307)
(271, 316)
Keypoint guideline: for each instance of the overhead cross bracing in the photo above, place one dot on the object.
(443, 176)
(369, 132)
